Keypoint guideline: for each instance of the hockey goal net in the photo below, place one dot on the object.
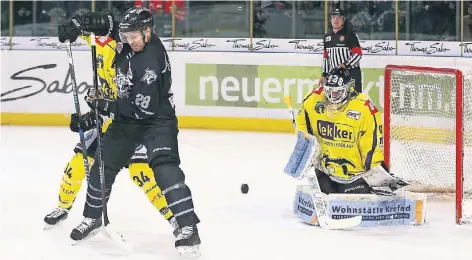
(428, 131)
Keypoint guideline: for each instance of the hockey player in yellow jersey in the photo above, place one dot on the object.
(349, 131)
(74, 172)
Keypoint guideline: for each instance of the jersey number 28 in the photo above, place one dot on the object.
(142, 101)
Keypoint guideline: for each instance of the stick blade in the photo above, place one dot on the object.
(347, 223)
(111, 233)
(288, 101)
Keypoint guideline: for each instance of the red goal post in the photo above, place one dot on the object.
(423, 122)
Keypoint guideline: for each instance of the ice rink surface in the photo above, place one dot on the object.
(258, 225)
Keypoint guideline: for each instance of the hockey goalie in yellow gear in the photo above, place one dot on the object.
(74, 173)
(342, 139)
(349, 131)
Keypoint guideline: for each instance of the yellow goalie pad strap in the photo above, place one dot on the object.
(72, 178)
(143, 176)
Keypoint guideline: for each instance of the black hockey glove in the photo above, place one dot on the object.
(100, 23)
(101, 104)
(86, 122)
(96, 101)
(67, 31)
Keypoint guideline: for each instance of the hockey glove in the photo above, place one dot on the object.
(67, 31)
(86, 122)
(94, 22)
(96, 101)
(102, 106)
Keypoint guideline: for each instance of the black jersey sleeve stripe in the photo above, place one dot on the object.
(370, 154)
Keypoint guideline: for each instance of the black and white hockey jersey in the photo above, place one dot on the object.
(341, 47)
(144, 80)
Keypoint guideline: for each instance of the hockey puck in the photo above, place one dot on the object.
(244, 188)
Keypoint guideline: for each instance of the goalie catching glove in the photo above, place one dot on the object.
(382, 182)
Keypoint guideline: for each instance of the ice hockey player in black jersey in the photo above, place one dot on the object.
(143, 114)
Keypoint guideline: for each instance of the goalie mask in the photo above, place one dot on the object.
(337, 87)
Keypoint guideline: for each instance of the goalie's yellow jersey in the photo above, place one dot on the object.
(351, 138)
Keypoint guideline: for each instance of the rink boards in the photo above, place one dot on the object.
(230, 91)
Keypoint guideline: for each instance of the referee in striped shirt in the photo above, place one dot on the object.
(342, 50)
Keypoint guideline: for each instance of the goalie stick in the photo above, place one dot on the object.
(315, 191)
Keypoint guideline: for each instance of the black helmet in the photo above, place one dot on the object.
(338, 11)
(136, 19)
(339, 84)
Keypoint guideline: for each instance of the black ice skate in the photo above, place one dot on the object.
(188, 241)
(88, 228)
(55, 217)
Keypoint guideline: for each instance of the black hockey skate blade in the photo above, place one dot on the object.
(48, 226)
(91, 234)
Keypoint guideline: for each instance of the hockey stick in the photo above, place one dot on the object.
(77, 107)
(321, 211)
(107, 228)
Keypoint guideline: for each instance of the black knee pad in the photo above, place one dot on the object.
(167, 174)
(163, 157)
(327, 185)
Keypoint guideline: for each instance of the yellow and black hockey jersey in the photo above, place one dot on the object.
(106, 49)
(106, 55)
(351, 138)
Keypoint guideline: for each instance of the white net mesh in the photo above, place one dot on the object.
(423, 131)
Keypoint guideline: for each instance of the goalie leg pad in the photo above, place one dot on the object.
(303, 206)
(304, 155)
(406, 209)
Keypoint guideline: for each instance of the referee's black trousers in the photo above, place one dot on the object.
(356, 74)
